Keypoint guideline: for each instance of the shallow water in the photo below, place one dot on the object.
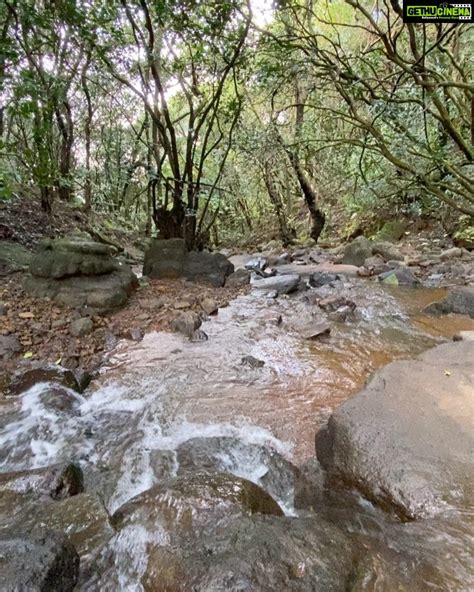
(157, 394)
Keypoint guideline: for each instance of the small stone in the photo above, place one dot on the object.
(58, 323)
(81, 327)
(153, 303)
(186, 323)
(316, 329)
(3, 309)
(182, 305)
(134, 334)
(209, 306)
(252, 362)
(198, 335)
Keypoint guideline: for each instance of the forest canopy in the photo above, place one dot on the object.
(211, 119)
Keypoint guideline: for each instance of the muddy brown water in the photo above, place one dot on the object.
(157, 394)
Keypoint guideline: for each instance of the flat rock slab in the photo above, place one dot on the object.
(282, 284)
(407, 440)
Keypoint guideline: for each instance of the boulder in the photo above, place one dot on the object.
(237, 279)
(97, 293)
(212, 268)
(268, 468)
(357, 252)
(13, 257)
(281, 284)
(406, 440)
(401, 276)
(459, 300)
(41, 561)
(185, 503)
(169, 259)
(452, 253)
(387, 250)
(60, 258)
(392, 230)
(258, 554)
(260, 264)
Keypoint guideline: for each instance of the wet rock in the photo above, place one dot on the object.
(268, 469)
(416, 463)
(240, 277)
(282, 284)
(452, 253)
(342, 314)
(465, 336)
(198, 335)
(336, 302)
(400, 277)
(57, 481)
(357, 252)
(188, 502)
(60, 400)
(9, 346)
(41, 561)
(252, 362)
(13, 257)
(260, 264)
(261, 554)
(387, 250)
(169, 258)
(81, 327)
(459, 300)
(33, 373)
(209, 306)
(134, 334)
(316, 329)
(322, 278)
(186, 323)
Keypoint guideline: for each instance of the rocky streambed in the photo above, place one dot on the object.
(192, 465)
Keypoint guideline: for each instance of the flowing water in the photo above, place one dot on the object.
(156, 395)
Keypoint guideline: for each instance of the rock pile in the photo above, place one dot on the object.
(80, 273)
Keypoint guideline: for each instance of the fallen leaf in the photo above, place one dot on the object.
(58, 361)
(28, 355)
(447, 373)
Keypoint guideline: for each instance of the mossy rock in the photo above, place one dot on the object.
(13, 257)
(391, 231)
(464, 237)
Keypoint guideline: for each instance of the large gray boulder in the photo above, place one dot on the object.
(459, 300)
(60, 258)
(170, 259)
(13, 257)
(407, 440)
(80, 273)
(357, 251)
(39, 562)
(100, 293)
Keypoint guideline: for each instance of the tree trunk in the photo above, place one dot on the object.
(287, 234)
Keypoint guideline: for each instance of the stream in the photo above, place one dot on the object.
(155, 396)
